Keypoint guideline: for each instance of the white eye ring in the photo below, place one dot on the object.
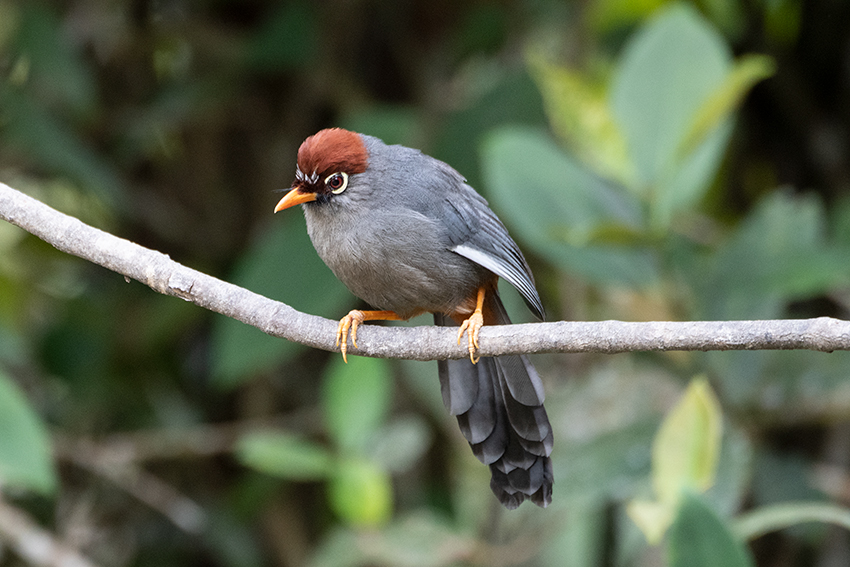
(341, 188)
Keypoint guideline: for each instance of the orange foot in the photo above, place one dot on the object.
(473, 325)
(350, 323)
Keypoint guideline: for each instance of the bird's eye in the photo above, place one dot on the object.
(337, 182)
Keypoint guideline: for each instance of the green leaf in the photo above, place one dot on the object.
(285, 455)
(560, 209)
(282, 265)
(686, 450)
(546, 193)
(686, 184)
(611, 15)
(652, 517)
(779, 252)
(579, 113)
(661, 97)
(685, 456)
(667, 72)
(356, 400)
(731, 485)
(399, 444)
(745, 73)
(699, 538)
(25, 453)
(361, 493)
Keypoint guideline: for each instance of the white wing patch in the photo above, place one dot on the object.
(504, 270)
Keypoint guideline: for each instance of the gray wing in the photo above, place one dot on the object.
(476, 233)
(472, 229)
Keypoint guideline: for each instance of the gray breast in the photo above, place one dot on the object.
(394, 259)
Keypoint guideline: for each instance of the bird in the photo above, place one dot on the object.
(406, 234)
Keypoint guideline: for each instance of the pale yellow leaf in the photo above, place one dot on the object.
(653, 518)
(579, 114)
(746, 72)
(687, 447)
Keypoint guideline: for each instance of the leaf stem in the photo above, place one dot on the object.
(767, 519)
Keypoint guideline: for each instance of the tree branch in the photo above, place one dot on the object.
(34, 544)
(146, 487)
(166, 276)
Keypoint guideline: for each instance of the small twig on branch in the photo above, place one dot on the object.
(34, 544)
(121, 456)
(199, 441)
(166, 276)
(148, 488)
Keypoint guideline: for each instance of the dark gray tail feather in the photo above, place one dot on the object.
(499, 407)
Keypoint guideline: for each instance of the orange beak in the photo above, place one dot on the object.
(294, 197)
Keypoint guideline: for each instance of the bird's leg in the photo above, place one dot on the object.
(473, 325)
(350, 323)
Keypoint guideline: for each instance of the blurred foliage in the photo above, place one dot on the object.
(655, 160)
(25, 446)
(684, 459)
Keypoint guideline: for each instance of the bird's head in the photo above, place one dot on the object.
(326, 161)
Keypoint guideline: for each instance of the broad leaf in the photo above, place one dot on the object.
(684, 185)
(361, 493)
(745, 73)
(674, 117)
(356, 400)
(25, 454)
(699, 538)
(284, 455)
(565, 213)
(778, 253)
(686, 450)
(667, 72)
(579, 113)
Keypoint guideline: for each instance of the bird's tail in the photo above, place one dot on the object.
(498, 403)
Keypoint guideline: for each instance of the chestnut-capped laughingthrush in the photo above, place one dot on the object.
(405, 233)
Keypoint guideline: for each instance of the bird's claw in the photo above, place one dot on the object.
(472, 326)
(348, 323)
